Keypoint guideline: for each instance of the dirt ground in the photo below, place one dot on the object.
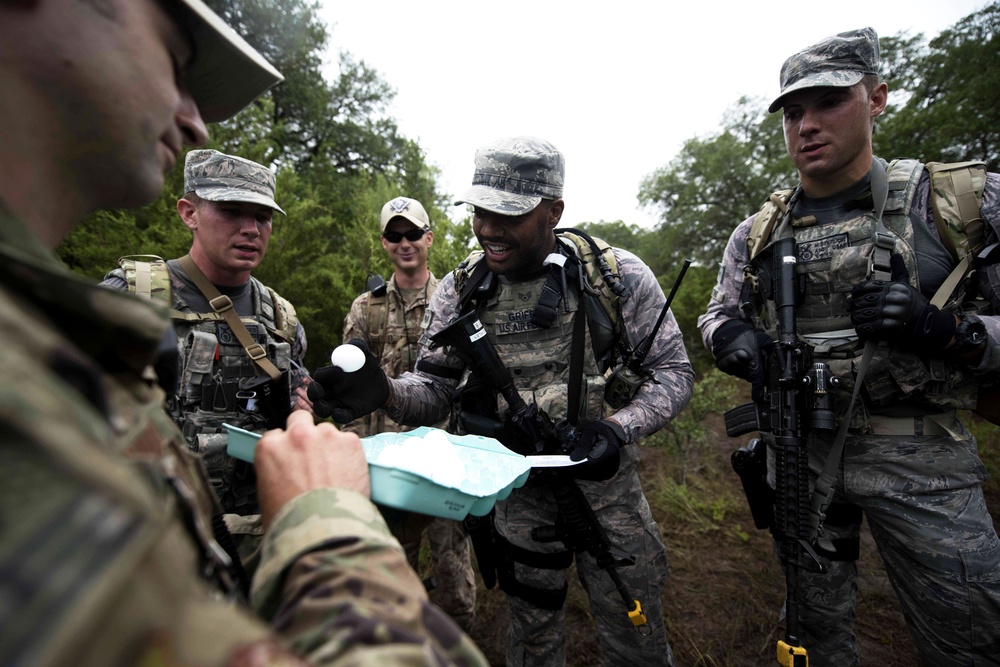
(725, 587)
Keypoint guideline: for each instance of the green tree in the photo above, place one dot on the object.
(338, 156)
(715, 182)
(949, 110)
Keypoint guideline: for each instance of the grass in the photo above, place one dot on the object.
(725, 588)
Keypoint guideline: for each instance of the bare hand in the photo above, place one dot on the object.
(302, 401)
(305, 457)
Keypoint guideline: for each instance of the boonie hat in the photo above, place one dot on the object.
(225, 73)
(404, 207)
(514, 175)
(216, 176)
(839, 61)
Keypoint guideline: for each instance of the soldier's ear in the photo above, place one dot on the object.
(555, 213)
(186, 210)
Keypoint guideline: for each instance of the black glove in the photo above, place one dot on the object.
(898, 313)
(347, 396)
(599, 442)
(739, 349)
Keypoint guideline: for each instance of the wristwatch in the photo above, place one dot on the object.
(969, 335)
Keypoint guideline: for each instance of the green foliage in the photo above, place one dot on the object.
(338, 157)
(715, 182)
(950, 111)
(687, 434)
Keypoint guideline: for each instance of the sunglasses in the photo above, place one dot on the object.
(411, 235)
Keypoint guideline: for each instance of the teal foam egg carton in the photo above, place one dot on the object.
(490, 472)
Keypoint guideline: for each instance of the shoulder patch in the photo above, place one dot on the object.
(285, 320)
(147, 276)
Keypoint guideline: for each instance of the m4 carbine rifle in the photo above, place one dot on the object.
(579, 529)
(795, 400)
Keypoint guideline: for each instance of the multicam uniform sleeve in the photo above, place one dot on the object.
(336, 585)
(990, 276)
(424, 395)
(356, 322)
(300, 374)
(657, 401)
(724, 303)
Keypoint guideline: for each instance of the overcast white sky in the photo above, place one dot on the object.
(616, 86)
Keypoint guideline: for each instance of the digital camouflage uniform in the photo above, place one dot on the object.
(105, 543)
(392, 328)
(921, 493)
(537, 359)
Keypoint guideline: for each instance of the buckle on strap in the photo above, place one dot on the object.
(256, 351)
(221, 303)
(911, 426)
(885, 240)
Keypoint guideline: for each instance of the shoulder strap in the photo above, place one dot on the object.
(223, 305)
(286, 321)
(956, 195)
(764, 222)
(469, 276)
(378, 318)
(601, 270)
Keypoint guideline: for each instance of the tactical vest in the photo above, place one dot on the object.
(394, 331)
(602, 289)
(834, 257)
(216, 375)
(537, 358)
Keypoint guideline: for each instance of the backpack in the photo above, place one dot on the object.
(956, 195)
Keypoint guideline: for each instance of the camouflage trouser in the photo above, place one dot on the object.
(924, 502)
(451, 565)
(537, 636)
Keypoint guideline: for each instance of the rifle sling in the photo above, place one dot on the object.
(879, 270)
(573, 400)
(223, 305)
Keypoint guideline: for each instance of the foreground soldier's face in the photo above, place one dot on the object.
(115, 81)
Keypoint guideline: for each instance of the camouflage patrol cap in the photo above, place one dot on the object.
(514, 175)
(216, 176)
(405, 207)
(839, 61)
(225, 73)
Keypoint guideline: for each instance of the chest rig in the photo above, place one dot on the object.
(226, 375)
(395, 327)
(552, 332)
(831, 259)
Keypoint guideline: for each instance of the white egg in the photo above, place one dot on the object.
(348, 358)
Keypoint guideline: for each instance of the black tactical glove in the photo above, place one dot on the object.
(739, 349)
(898, 313)
(599, 442)
(347, 396)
